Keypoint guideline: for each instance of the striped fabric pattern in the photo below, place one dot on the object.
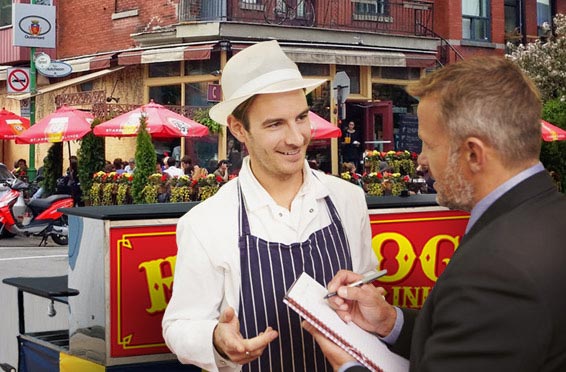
(268, 270)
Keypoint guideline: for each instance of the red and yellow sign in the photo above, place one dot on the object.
(414, 247)
(142, 262)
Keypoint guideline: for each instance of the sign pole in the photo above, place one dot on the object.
(338, 97)
(32, 81)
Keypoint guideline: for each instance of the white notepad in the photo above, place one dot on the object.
(306, 298)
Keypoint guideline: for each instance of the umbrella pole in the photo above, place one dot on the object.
(69, 148)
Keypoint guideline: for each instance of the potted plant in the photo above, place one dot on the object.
(181, 190)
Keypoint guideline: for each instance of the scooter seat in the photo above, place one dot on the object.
(42, 204)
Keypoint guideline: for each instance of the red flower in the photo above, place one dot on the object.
(379, 175)
(164, 177)
(219, 179)
(194, 183)
(406, 179)
(355, 176)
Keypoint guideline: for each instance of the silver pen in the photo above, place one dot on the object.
(368, 278)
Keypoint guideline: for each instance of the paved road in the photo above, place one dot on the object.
(20, 256)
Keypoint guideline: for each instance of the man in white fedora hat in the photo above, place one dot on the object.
(240, 250)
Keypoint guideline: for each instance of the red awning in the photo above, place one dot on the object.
(180, 53)
(98, 62)
(420, 60)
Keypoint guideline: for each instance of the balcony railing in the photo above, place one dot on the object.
(394, 17)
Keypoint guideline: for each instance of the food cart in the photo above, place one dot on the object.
(122, 262)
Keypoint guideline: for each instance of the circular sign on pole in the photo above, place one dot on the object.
(18, 80)
(42, 61)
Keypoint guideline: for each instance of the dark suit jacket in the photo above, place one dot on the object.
(500, 304)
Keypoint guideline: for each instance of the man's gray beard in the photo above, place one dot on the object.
(455, 192)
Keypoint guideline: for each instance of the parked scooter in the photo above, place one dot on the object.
(37, 217)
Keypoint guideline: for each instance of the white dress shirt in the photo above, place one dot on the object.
(207, 273)
(173, 171)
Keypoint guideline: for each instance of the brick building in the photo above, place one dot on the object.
(126, 52)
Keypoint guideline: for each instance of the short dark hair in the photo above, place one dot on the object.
(241, 112)
(171, 161)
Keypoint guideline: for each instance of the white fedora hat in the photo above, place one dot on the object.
(262, 68)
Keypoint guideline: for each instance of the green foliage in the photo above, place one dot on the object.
(553, 154)
(201, 116)
(91, 159)
(145, 161)
(52, 168)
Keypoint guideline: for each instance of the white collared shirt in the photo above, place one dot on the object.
(173, 171)
(207, 273)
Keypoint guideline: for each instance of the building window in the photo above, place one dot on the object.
(313, 69)
(544, 19)
(5, 12)
(371, 10)
(196, 94)
(203, 67)
(251, 4)
(369, 7)
(475, 20)
(164, 69)
(166, 94)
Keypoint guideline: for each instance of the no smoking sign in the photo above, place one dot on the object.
(18, 80)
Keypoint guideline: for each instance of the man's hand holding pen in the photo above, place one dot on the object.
(357, 300)
(365, 305)
(367, 278)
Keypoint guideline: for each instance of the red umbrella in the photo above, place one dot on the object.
(11, 125)
(65, 124)
(322, 128)
(161, 123)
(551, 132)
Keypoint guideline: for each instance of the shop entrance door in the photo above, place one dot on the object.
(378, 126)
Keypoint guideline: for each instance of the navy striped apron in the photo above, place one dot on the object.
(268, 270)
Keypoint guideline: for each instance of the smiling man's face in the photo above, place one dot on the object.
(278, 135)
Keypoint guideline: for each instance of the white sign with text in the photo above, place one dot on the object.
(33, 25)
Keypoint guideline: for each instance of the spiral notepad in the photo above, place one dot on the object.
(306, 298)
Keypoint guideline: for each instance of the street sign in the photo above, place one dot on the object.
(341, 83)
(25, 108)
(33, 25)
(42, 61)
(56, 69)
(18, 80)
